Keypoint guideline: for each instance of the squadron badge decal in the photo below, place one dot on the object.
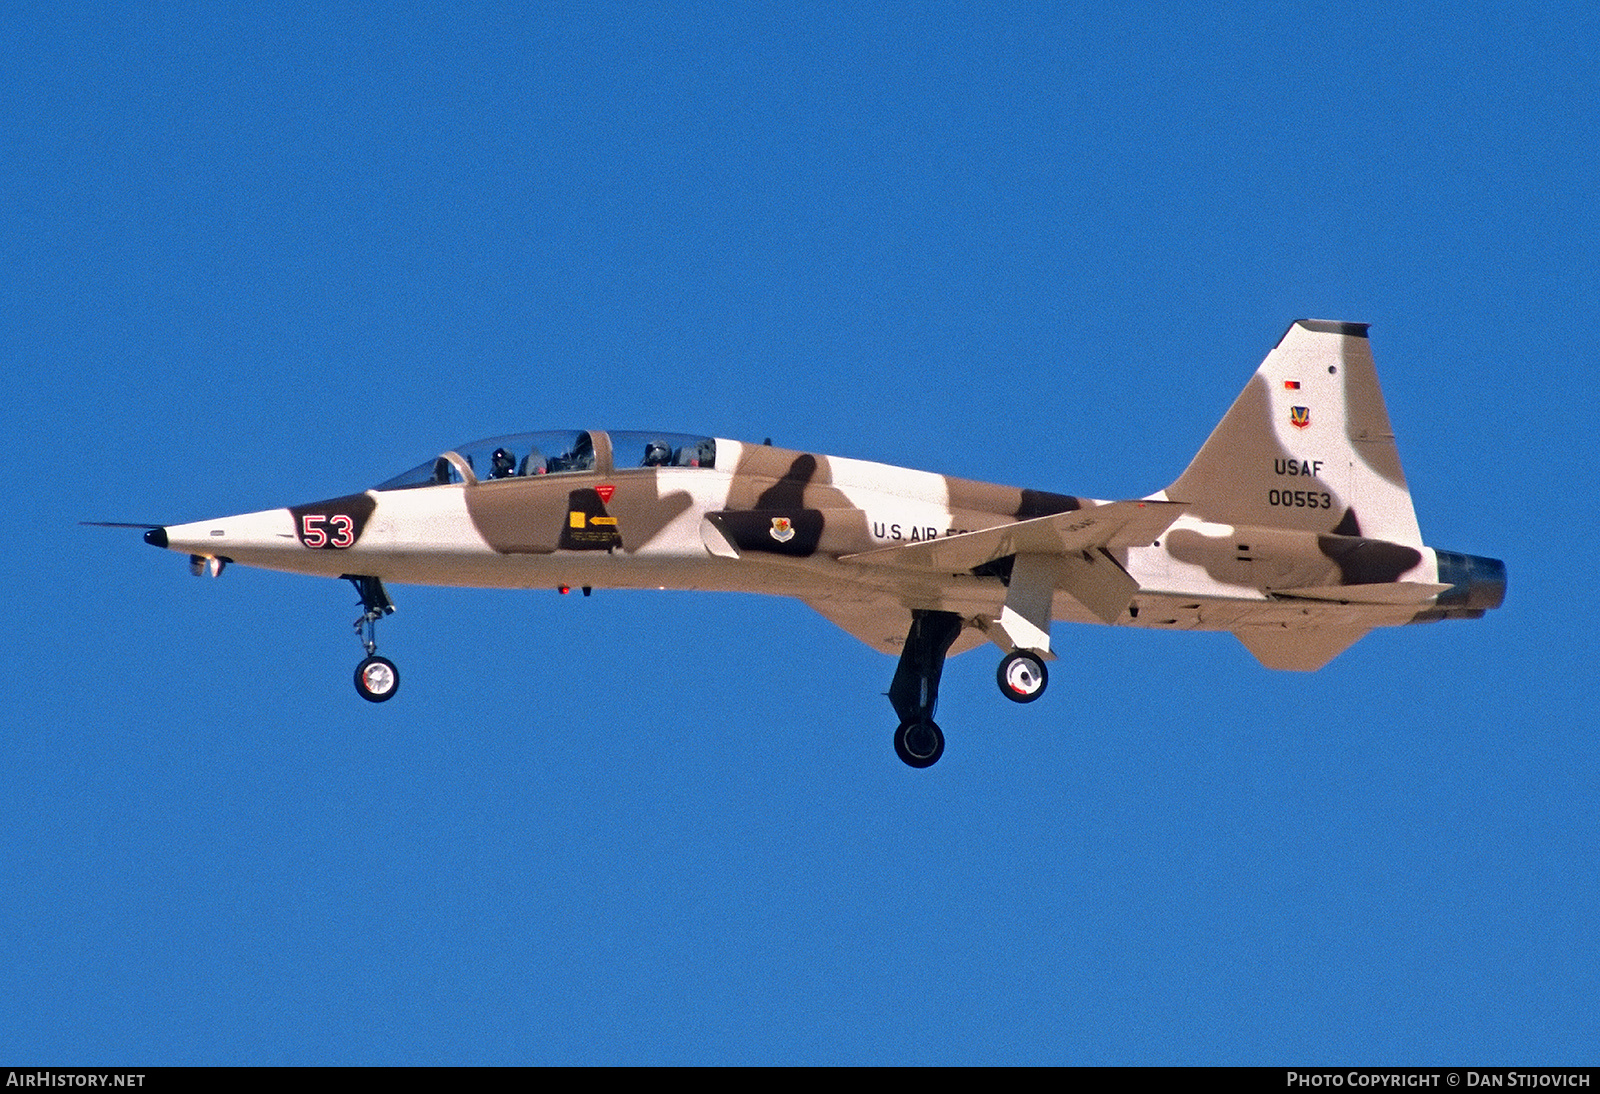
(782, 529)
(1299, 416)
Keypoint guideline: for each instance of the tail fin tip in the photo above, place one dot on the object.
(1329, 326)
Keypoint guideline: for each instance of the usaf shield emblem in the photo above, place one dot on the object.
(1299, 416)
(782, 529)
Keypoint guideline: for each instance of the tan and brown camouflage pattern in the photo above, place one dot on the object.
(1292, 527)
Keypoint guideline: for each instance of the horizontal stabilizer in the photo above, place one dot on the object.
(1388, 592)
(1117, 524)
(1298, 649)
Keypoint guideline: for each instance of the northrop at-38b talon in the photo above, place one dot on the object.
(1292, 528)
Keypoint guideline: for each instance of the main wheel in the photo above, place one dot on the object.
(919, 744)
(377, 679)
(1022, 676)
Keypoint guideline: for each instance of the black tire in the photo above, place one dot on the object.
(377, 679)
(919, 744)
(1022, 676)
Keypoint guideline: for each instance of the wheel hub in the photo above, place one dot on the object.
(921, 741)
(378, 678)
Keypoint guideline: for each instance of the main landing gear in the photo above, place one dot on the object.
(377, 679)
(915, 689)
(1022, 676)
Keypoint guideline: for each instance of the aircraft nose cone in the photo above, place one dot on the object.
(156, 537)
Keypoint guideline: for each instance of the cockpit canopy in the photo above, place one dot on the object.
(557, 452)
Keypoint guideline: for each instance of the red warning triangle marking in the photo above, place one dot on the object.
(605, 490)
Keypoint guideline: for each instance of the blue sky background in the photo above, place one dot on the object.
(258, 254)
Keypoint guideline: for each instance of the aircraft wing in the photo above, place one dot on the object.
(880, 621)
(1116, 524)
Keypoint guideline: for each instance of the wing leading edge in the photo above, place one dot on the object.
(1110, 526)
(1069, 551)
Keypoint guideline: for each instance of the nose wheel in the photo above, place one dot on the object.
(377, 679)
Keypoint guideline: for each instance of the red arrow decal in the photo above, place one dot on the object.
(605, 490)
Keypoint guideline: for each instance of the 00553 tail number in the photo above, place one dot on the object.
(1300, 499)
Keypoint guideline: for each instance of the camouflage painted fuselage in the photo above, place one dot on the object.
(1292, 528)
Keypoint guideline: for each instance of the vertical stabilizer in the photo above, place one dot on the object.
(1307, 446)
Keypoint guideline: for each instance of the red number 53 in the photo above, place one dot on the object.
(327, 530)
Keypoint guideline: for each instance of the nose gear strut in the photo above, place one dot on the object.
(377, 679)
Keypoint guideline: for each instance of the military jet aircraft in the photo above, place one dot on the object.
(1292, 528)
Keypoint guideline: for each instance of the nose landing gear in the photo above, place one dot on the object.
(377, 679)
